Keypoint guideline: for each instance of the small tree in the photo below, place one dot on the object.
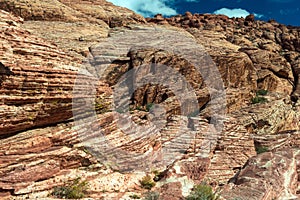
(147, 182)
(73, 190)
(202, 192)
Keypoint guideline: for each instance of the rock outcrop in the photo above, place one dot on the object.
(271, 175)
(73, 26)
(36, 80)
(65, 112)
(269, 45)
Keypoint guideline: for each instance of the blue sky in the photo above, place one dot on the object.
(283, 11)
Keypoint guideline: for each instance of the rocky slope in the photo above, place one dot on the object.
(65, 114)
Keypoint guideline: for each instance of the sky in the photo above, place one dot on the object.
(283, 11)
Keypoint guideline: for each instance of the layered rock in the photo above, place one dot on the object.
(267, 176)
(265, 39)
(52, 157)
(37, 82)
(73, 26)
(57, 120)
(63, 10)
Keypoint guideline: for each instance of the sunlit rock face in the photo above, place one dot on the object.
(207, 93)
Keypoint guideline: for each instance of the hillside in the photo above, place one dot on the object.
(95, 93)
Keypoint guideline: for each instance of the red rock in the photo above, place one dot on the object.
(250, 18)
(267, 176)
(159, 17)
(36, 84)
(171, 191)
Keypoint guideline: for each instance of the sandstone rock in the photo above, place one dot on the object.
(34, 73)
(296, 69)
(171, 191)
(87, 22)
(63, 10)
(250, 18)
(37, 88)
(75, 40)
(267, 176)
(275, 73)
(159, 17)
(38, 80)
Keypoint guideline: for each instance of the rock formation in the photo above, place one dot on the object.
(65, 114)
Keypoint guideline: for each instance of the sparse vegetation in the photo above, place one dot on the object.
(145, 108)
(157, 175)
(261, 149)
(139, 108)
(151, 196)
(134, 196)
(149, 106)
(258, 99)
(74, 190)
(262, 92)
(101, 106)
(202, 192)
(85, 150)
(147, 182)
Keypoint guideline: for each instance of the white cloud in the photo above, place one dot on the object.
(258, 15)
(146, 7)
(236, 12)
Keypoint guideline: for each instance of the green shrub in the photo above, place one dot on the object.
(149, 106)
(134, 196)
(140, 108)
(261, 149)
(262, 92)
(145, 108)
(258, 99)
(157, 175)
(73, 190)
(151, 196)
(147, 182)
(202, 192)
(101, 106)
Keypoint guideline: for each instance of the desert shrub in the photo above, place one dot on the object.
(261, 149)
(147, 182)
(262, 92)
(145, 108)
(151, 196)
(140, 108)
(149, 106)
(258, 99)
(134, 196)
(202, 192)
(101, 106)
(157, 175)
(74, 190)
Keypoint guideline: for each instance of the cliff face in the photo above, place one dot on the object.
(206, 94)
(72, 25)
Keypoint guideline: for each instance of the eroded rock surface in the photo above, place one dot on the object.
(58, 121)
(73, 26)
(267, 176)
